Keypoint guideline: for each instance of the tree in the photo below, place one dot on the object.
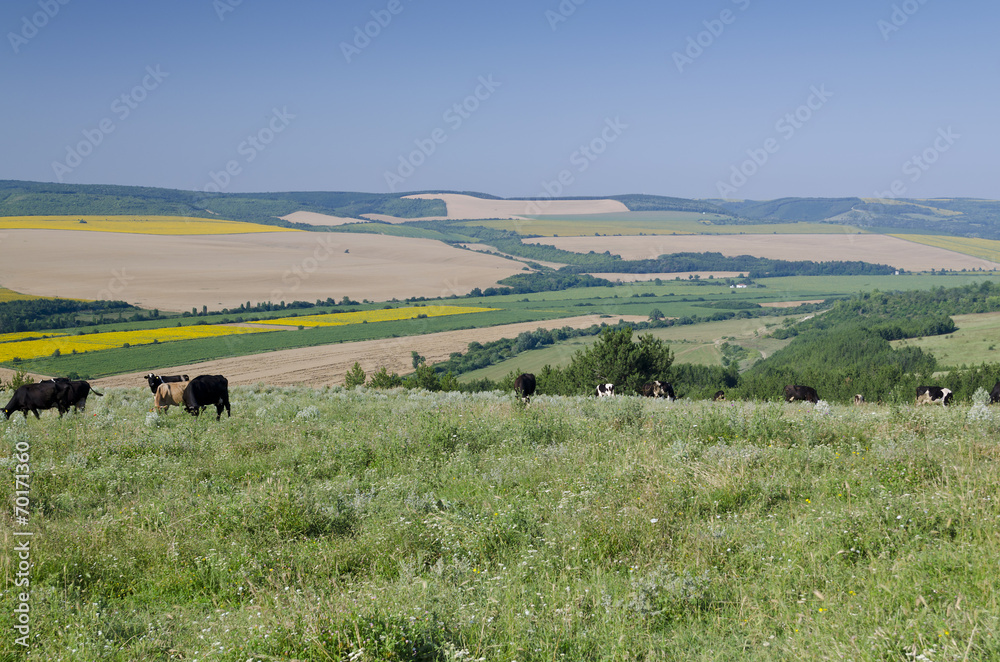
(417, 359)
(615, 358)
(656, 314)
(384, 379)
(355, 376)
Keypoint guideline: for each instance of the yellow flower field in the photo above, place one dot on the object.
(10, 295)
(988, 249)
(164, 225)
(387, 315)
(31, 349)
(18, 337)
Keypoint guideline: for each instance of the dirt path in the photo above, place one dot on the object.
(327, 365)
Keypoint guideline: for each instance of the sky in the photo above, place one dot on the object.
(744, 99)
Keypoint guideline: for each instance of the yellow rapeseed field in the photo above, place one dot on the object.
(988, 249)
(10, 295)
(386, 315)
(24, 335)
(31, 349)
(165, 225)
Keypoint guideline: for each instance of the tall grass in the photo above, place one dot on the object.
(332, 524)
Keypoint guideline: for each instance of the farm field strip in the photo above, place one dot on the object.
(988, 249)
(159, 225)
(651, 223)
(30, 349)
(975, 341)
(10, 295)
(29, 335)
(384, 315)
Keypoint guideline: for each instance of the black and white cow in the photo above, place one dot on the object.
(859, 399)
(605, 390)
(205, 391)
(524, 386)
(657, 389)
(155, 380)
(796, 392)
(926, 394)
(719, 396)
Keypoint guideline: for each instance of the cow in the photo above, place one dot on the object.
(76, 392)
(657, 389)
(168, 394)
(859, 399)
(204, 391)
(796, 392)
(605, 390)
(43, 395)
(719, 396)
(995, 394)
(524, 386)
(927, 394)
(155, 380)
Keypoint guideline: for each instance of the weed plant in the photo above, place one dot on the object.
(370, 525)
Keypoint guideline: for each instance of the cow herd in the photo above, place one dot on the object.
(64, 394)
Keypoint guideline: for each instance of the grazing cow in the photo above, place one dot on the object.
(927, 394)
(605, 390)
(76, 392)
(207, 390)
(43, 395)
(796, 392)
(524, 386)
(995, 394)
(859, 399)
(168, 394)
(155, 380)
(719, 395)
(657, 389)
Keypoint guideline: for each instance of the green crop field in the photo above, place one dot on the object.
(653, 222)
(367, 526)
(976, 341)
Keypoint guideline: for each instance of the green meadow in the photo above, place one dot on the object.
(361, 525)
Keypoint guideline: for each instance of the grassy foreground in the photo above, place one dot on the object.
(352, 525)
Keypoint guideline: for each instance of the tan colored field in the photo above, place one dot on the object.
(879, 249)
(469, 207)
(315, 218)
(788, 304)
(180, 272)
(327, 365)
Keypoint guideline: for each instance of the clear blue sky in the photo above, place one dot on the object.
(290, 97)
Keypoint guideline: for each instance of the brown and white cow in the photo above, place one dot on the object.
(859, 399)
(169, 394)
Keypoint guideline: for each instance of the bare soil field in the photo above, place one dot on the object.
(315, 218)
(879, 249)
(178, 273)
(469, 207)
(327, 365)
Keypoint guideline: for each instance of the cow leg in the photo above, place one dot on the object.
(33, 411)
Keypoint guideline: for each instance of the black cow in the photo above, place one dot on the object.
(155, 380)
(927, 394)
(605, 390)
(995, 394)
(657, 389)
(719, 395)
(43, 395)
(524, 386)
(207, 390)
(796, 392)
(75, 393)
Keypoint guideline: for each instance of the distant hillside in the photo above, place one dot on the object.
(19, 198)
